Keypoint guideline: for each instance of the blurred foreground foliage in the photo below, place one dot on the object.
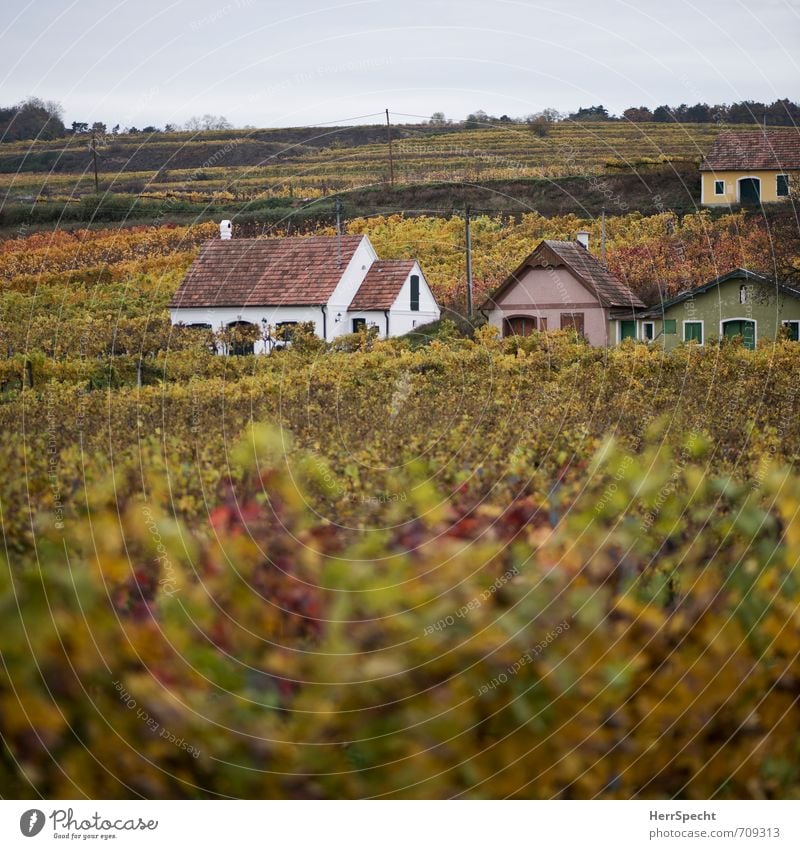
(621, 624)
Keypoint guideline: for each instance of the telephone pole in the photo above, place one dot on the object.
(391, 160)
(468, 243)
(94, 160)
(338, 207)
(603, 239)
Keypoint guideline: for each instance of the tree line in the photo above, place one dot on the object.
(780, 113)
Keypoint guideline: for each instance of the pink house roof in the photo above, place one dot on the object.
(587, 269)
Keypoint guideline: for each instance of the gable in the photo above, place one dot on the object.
(538, 286)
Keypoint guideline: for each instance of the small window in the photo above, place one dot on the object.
(719, 187)
(573, 321)
(415, 292)
(782, 185)
(670, 326)
(792, 330)
(743, 294)
(648, 331)
(693, 331)
(359, 324)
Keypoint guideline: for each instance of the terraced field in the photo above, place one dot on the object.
(240, 170)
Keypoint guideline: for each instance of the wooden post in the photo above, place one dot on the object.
(94, 161)
(391, 159)
(468, 241)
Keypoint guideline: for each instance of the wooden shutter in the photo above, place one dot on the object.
(572, 320)
(415, 292)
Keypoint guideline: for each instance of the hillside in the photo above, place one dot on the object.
(273, 174)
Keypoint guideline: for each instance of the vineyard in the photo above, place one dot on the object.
(447, 566)
(278, 172)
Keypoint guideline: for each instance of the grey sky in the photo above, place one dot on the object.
(301, 62)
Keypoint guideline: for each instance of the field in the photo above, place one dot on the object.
(271, 175)
(443, 566)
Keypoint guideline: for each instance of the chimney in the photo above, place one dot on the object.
(225, 229)
(582, 238)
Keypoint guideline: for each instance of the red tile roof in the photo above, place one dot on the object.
(754, 150)
(608, 290)
(382, 284)
(265, 272)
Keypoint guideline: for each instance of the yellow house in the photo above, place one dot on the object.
(750, 167)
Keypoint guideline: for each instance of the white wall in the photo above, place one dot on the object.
(219, 317)
(352, 277)
(404, 320)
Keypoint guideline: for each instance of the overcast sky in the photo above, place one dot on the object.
(268, 63)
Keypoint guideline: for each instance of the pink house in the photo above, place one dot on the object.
(561, 285)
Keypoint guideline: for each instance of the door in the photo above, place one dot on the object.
(750, 191)
(741, 327)
(519, 325)
(627, 330)
(572, 320)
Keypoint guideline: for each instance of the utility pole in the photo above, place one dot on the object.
(94, 160)
(391, 160)
(338, 206)
(603, 238)
(468, 242)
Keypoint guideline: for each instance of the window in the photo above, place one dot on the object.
(693, 331)
(792, 330)
(359, 324)
(743, 294)
(648, 331)
(627, 330)
(719, 187)
(415, 292)
(782, 185)
(670, 326)
(573, 321)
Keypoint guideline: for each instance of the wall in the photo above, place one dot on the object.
(763, 305)
(404, 320)
(219, 317)
(768, 186)
(546, 293)
(352, 277)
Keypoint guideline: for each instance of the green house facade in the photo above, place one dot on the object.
(738, 304)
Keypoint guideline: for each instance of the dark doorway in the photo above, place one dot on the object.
(744, 328)
(750, 191)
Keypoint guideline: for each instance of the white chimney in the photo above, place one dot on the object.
(225, 229)
(582, 238)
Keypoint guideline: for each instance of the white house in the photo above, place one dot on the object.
(338, 283)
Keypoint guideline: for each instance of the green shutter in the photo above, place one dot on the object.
(693, 332)
(627, 330)
(793, 328)
(415, 292)
(670, 326)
